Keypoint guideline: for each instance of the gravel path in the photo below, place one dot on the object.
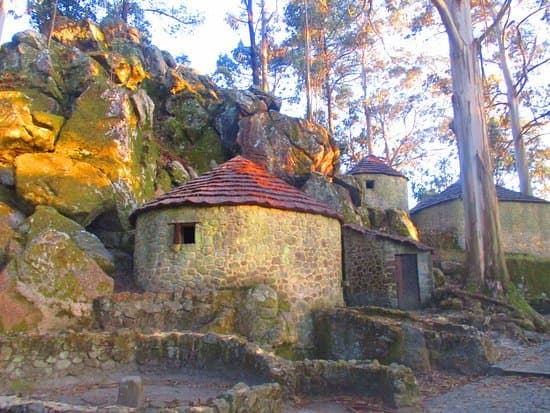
(497, 394)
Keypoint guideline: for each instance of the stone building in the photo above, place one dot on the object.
(237, 227)
(525, 221)
(380, 185)
(385, 270)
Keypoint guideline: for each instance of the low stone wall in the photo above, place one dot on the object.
(265, 398)
(28, 358)
(395, 336)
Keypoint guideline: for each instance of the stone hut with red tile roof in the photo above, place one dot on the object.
(236, 227)
(524, 221)
(380, 185)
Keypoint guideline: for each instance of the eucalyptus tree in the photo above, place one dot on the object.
(486, 265)
(519, 54)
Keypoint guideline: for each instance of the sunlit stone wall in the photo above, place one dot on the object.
(298, 254)
(525, 226)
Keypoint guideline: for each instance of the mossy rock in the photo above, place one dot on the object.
(59, 279)
(530, 274)
(10, 220)
(47, 218)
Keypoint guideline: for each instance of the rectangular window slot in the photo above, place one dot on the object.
(184, 233)
(370, 184)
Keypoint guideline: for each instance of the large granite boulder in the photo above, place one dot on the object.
(76, 189)
(286, 146)
(51, 284)
(46, 218)
(23, 129)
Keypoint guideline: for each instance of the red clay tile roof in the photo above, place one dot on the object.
(371, 164)
(238, 182)
(390, 237)
(454, 191)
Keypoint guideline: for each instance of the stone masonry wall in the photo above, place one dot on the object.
(388, 192)
(369, 265)
(297, 254)
(525, 226)
(441, 226)
(368, 279)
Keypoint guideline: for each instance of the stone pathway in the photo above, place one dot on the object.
(520, 384)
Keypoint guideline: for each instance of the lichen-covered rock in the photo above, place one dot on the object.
(58, 71)
(10, 220)
(23, 130)
(76, 189)
(286, 146)
(104, 132)
(396, 336)
(260, 319)
(59, 279)
(337, 196)
(46, 218)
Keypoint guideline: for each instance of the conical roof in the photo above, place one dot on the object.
(238, 182)
(454, 191)
(371, 164)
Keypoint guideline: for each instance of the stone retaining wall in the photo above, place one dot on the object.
(265, 398)
(25, 357)
(395, 336)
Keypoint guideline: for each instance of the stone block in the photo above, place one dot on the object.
(130, 391)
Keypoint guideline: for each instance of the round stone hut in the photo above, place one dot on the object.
(380, 185)
(237, 227)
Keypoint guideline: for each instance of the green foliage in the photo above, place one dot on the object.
(137, 13)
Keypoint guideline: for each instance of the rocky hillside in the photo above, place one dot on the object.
(91, 127)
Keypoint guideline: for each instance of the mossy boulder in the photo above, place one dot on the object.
(105, 132)
(58, 279)
(46, 218)
(77, 189)
(260, 319)
(10, 220)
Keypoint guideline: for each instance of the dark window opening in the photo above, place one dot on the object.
(370, 184)
(184, 233)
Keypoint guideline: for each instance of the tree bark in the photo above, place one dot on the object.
(366, 108)
(253, 47)
(264, 49)
(515, 125)
(309, 103)
(486, 265)
(2, 18)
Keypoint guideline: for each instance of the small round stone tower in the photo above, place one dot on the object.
(237, 227)
(380, 185)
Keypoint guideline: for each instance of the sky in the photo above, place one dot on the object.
(202, 46)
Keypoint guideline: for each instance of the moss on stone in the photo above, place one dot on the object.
(531, 273)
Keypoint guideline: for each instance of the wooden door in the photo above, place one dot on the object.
(406, 277)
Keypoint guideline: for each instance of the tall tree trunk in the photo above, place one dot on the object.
(2, 18)
(309, 103)
(327, 87)
(513, 106)
(125, 11)
(253, 47)
(486, 266)
(52, 22)
(264, 49)
(366, 108)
